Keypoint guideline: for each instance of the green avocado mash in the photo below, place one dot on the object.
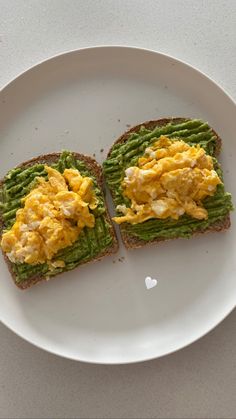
(126, 154)
(91, 242)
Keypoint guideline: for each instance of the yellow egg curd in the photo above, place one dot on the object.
(52, 217)
(171, 179)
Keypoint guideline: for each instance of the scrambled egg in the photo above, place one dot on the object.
(53, 215)
(171, 179)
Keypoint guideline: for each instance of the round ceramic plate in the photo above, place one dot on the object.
(103, 312)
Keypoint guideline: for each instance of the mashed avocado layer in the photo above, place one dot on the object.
(91, 242)
(126, 154)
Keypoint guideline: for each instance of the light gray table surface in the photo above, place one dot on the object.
(200, 380)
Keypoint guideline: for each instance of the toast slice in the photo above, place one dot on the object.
(131, 145)
(96, 242)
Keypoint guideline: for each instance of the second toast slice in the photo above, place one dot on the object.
(125, 157)
(92, 243)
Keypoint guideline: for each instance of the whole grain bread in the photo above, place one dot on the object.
(96, 170)
(132, 242)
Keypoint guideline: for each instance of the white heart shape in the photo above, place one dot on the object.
(150, 282)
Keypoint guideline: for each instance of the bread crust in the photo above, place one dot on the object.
(132, 242)
(96, 170)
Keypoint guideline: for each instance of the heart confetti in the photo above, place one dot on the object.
(150, 282)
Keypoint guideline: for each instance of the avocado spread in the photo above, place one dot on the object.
(91, 241)
(126, 154)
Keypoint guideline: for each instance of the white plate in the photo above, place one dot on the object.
(103, 313)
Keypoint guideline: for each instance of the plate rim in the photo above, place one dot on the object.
(117, 46)
(169, 57)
